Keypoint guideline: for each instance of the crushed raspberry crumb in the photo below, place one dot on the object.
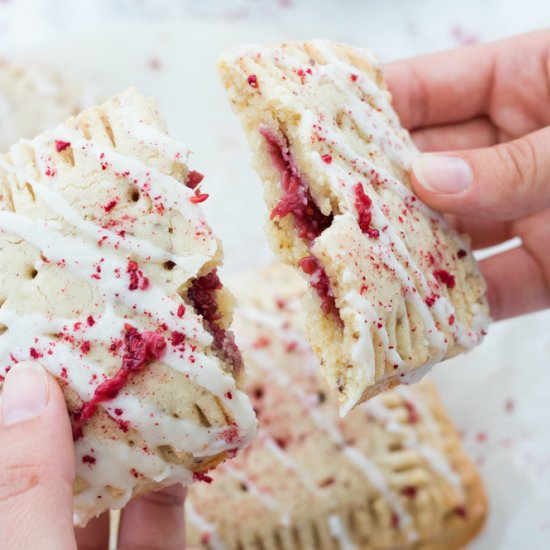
(461, 512)
(85, 347)
(201, 476)
(296, 199)
(61, 145)
(87, 459)
(481, 437)
(409, 491)
(177, 338)
(395, 521)
(261, 342)
(363, 205)
(431, 299)
(327, 482)
(229, 395)
(34, 353)
(140, 349)
(291, 347)
(461, 253)
(353, 77)
(181, 310)
(193, 179)
(445, 277)
(252, 81)
(110, 205)
(137, 279)
(327, 159)
(230, 435)
(201, 197)
(451, 320)
(90, 321)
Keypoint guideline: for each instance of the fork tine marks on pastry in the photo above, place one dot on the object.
(390, 475)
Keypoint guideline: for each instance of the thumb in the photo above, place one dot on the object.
(36, 462)
(504, 182)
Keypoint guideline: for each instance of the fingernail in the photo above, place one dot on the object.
(25, 393)
(442, 174)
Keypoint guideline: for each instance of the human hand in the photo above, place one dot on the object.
(37, 473)
(488, 107)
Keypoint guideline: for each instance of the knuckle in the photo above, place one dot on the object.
(18, 479)
(418, 99)
(520, 158)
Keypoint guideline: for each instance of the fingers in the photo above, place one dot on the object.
(95, 536)
(505, 182)
(154, 521)
(479, 132)
(36, 462)
(516, 283)
(465, 83)
(442, 88)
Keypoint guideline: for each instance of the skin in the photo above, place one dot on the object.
(36, 479)
(487, 104)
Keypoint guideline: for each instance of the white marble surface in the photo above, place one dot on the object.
(499, 395)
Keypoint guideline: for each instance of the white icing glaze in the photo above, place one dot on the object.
(373, 474)
(263, 498)
(80, 253)
(340, 533)
(286, 460)
(204, 527)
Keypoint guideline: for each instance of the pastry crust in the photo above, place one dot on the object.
(34, 99)
(108, 279)
(390, 475)
(394, 288)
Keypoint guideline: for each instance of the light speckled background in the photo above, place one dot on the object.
(499, 395)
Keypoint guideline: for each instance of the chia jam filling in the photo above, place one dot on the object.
(202, 295)
(319, 281)
(308, 219)
(140, 350)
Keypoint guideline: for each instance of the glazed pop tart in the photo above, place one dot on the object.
(393, 288)
(108, 278)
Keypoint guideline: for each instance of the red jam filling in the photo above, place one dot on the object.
(202, 295)
(140, 350)
(318, 280)
(308, 219)
(310, 222)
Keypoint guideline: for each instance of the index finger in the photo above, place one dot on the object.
(154, 520)
(442, 88)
